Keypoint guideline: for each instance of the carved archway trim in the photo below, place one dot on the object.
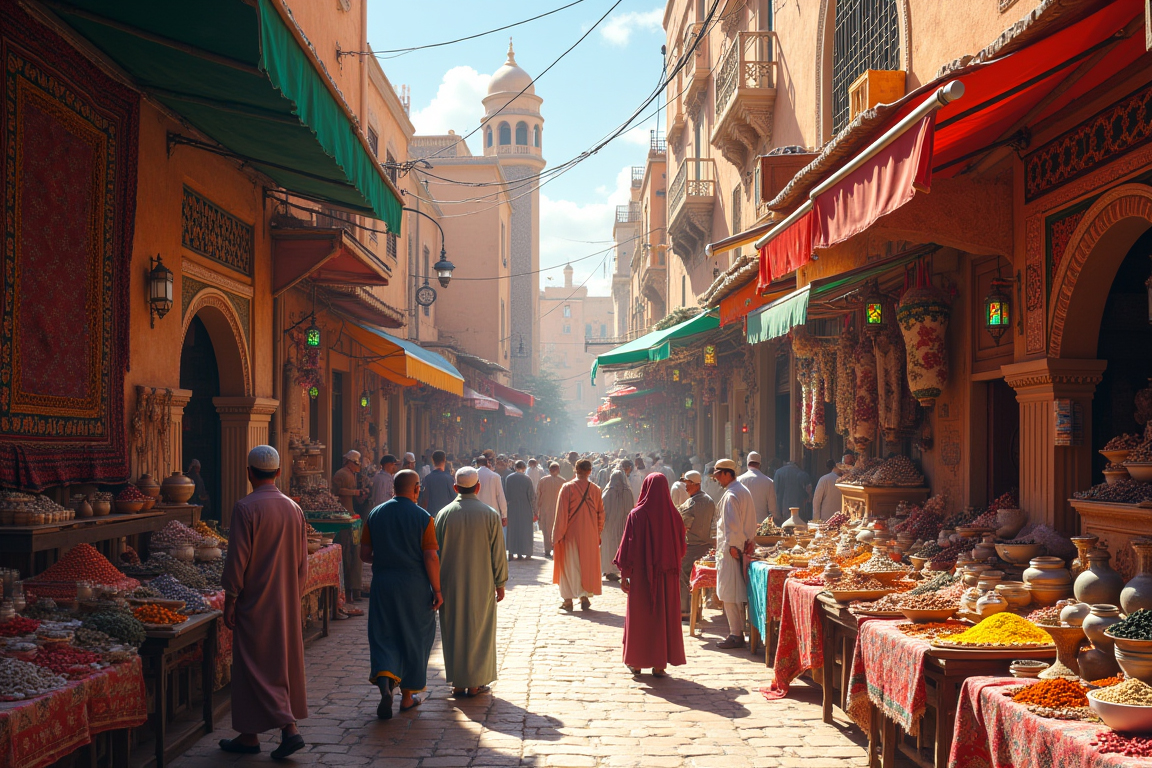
(1127, 201)
(217, 302)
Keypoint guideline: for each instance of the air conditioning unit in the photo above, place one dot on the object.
(874, 86)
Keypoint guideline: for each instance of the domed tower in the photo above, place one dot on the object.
(513, 131)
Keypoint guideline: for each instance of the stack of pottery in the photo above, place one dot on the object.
(1099, 661)
(1084, 544)
(989, 603)
(986, 548)
(1048, 580)
(1137, 593)
(1014, 593)
(1098, 582)
(150, 488)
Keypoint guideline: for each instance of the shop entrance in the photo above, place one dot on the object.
(1125, 339)
(201, 439)
(1003, 439)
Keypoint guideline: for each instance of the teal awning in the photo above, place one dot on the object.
(239, 73)
(781, 316)
(656, 346)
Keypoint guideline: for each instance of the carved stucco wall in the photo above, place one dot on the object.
(524, 288)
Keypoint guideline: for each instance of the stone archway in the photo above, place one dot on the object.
(1100, 243)
(227, 334)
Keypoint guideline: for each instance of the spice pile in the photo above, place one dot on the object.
(1104, 682)
(1053, 694)
(207, 532)
(120, 624)
(212, 571)
(1110, 742)
(157, 614)
(934, 583)
(66, 661)
(185, 573)
(833, 523)
(886, 604)
(20, 680)
(1133, 692)
(854, 582)
(172, 589)
(131, 493)
(18, 627)
(321, 500)
(81, 563)
(881, 563)
(1049, 615)
(945, 559)
(936, 630)
(896, 471)
(1126, 491)
(176, 534)
(928, 602)
(768, 528)
(854, 560)
(1002, 629)
(924, 522)
(1137, 626)
(861, 468)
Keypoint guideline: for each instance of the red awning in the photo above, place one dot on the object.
(359, 303)
(750, 298)
(513, 395)
(478, 401)
(509, 409)
(328, 256)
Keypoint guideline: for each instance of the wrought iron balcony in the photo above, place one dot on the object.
(656, 143)
(637, 176)
(627, 213)
(698, 67)
(745, 96)
(691, 197)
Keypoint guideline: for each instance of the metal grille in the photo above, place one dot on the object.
(867, 37)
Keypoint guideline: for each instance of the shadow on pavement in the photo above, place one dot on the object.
(693, 695)
(502, 716)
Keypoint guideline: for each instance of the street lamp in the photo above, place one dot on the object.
(443, 268)
(159, 291)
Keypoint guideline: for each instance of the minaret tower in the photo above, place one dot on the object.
(513, 130)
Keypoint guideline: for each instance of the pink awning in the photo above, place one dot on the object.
(788, 251)
(478, 401)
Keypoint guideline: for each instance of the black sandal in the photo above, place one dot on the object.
(289, 745)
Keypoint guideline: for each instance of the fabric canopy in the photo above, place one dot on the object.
(879, 186)
(242, 73)
(513, 396)
(608, 423)
(655, 346)
(480, 402)
(327, 256)
(406, 363)
(509, 409)
(750, 298)
(635, 393)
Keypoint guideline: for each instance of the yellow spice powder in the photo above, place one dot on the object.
(1002, 629)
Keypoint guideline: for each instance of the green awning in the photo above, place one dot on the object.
(237, 72)
(634, 395)
(610, 422)
(781, 316)
(656, 346)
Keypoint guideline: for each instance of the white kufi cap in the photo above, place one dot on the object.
(467, 477)
(264, 458)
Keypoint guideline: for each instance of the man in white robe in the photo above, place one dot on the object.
(761, 487)
(492, 489)
(735, 539)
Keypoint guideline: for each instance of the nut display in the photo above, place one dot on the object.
(120, 624)
(320, 500)
(896, 471)
(1141, 453)
(21, 680)
(861, 468)
(881, 563)
(1132, 691)
(131, 493)
(1124, 442)
(1125, 491)
(172, 589)
(854, 582)
(927, 602)
(936, 630)
(186, 574)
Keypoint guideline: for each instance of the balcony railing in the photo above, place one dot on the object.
(696, 178)
(637, 176)
(627, 213)
(516, 149)
(698, 60)
(656, 142)
(748, 64)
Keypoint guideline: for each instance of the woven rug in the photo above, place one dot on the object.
(70, 141)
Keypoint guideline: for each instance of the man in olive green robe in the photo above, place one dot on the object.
(473, 571)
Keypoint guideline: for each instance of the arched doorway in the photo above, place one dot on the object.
(200, 374)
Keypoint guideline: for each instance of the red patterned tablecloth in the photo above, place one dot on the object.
(777, 575)
(41, 731)
(800, 644)
(326, 569)
(888, 671)
(994, 732)
(703, 576)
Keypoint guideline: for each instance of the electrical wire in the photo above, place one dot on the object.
(404, 51)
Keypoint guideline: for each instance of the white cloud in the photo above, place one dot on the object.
(619, 27)
(640, 135)
(456, 105)
(564, 221)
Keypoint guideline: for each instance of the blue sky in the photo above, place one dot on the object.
(590, 92)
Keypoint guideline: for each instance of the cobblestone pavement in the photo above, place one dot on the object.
(563, 698)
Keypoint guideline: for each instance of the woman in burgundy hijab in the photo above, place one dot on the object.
(649, 562)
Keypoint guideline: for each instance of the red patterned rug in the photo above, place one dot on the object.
(69, 153)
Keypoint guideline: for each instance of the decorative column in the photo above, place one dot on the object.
(180, 398)
(1051, 473)
(243, 426)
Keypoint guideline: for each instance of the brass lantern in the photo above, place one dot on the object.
(998, 309)
(875, 313)
(159, 290)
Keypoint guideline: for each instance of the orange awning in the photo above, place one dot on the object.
(327, 256)
(750, 298)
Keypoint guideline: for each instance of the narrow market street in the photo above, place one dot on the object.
(563, 698)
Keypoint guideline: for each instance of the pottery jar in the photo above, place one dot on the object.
(990, 603)
(795, 522)
(1096, 664)
(1073, 613)
(178, 488)
(1084, 544)
(1015, 593)
(1047, 570)
(969, 599)
(1102, 616)
(989, 580)
(985, 549)
(1098, 582)
(972, 573)
(1137, 593)
(148, 486)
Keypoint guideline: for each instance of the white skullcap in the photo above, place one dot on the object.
(753, 457)
(352, 456)
(409, 456)
(467, 477)
(264, 458)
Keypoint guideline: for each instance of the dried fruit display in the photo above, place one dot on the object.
(176, 534)
(320, 500)
(861, 468)
(131, 493)
(20, 680)
(172, 589)
(120, 624)
(185, 573)
(896, 471)
(845, 384)
(67, 661)
(1141, 454)
(18, 627)
(157, 614)
(1124, 442)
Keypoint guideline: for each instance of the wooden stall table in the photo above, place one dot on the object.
(904, 685)
(703, 577)
(40, 731)
(841, 627)
(878, 500)
(157, 652)
(20, 544)
(346, 533)
(992, 731)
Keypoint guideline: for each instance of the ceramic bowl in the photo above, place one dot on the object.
(1140, 472)
(1113, 476)
(1049, 594)
(1027, 668)
(1116, 457)
(1130, 646)
(1137, 665)
(1126, 718)
(887, 577)
(921, 616)
(1018, 554)
(1015, 593)
(128, 507)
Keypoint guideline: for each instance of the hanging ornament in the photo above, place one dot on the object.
(923, 316)
(997, 309)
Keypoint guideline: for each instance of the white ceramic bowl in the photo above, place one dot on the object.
(1121, 717)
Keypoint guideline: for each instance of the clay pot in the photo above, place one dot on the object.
(795, 523)
(1015, 593)
(1067, 641)
(1101, 617)
(1099, 582)
(972, 574)
(148, 486)
(1096, 664)
(990, 603)
(1134, 664)
(1047, 572)
(178, 488)
(101, 508)
(969, 599)
(1137, 593)
(1084, 544)
(985, 549)
(1074, 613)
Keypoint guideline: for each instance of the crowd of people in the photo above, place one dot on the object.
(438, 535)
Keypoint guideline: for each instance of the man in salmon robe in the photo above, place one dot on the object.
(263, 580)
(576, 538)
(649, 558)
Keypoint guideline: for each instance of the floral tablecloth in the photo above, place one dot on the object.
(703, 577)
(994, 732)
(326, 569)
(41, 731)
(800, 645)
(888, 671)
(777, 575)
